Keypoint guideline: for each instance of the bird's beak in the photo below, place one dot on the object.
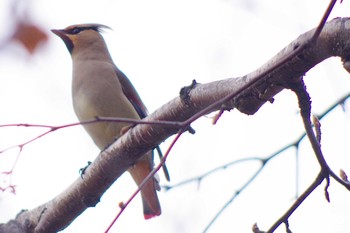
(59, 32)
(63, 35)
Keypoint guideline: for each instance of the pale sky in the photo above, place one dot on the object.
(162, 46)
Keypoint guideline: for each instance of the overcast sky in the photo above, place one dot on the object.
(162, 46)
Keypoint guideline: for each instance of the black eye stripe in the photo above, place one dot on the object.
(77, 30)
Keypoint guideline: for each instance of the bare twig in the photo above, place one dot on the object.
(297, 203)
(305, 109)
(52, 128)
(97, 119)
(210, 172)
(323, 20)
(233, 198)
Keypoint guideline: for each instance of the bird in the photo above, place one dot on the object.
(100, 89)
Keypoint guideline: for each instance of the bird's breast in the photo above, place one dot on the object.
(97, 92)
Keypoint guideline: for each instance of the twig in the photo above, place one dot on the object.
(233, 198)
(210, 172)
(323, 20)
(52, 128)
(93, 121)
(297, 203)
(264, 162)
(305, 109)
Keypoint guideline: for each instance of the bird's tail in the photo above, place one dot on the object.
(151, 205)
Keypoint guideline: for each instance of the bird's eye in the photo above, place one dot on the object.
(75, 30)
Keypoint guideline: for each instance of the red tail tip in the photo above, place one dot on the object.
(149, 216)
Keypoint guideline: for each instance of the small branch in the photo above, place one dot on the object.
(54, 128)
(305, 109)
(297, 203)
(339, 180)
(233, 197)
(210, 172)
(323, 20)
(93, 121)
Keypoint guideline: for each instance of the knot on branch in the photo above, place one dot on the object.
(186, 91)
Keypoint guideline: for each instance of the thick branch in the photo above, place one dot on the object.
(260, 86)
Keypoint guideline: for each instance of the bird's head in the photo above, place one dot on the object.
(80, 35)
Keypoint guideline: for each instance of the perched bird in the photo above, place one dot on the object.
(99, 88)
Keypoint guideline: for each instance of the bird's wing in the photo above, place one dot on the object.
(131, 94)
